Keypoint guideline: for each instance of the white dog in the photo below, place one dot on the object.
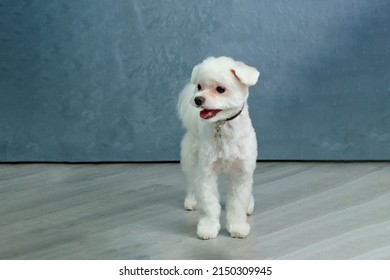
(219, 138)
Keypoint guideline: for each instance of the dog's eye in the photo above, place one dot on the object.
(220, 89)
(199, 87)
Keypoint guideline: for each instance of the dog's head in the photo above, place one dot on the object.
(221, 87)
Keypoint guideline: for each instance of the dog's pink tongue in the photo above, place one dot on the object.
(206, 114)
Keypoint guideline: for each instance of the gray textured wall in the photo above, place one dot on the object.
(97, 80)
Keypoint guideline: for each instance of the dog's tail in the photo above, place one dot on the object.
(187, 112)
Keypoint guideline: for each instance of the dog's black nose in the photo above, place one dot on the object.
(199, 100)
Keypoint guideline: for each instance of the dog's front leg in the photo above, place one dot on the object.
(239, 204)
(208, 202)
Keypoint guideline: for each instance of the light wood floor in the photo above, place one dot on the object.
(134, 211)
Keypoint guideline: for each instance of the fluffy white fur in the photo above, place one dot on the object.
(215, 144)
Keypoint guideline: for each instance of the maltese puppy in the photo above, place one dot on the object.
(220, 138)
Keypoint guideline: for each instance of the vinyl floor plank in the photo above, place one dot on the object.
(304, 210)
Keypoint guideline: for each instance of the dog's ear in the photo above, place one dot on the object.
(245, 74)
(194, 74)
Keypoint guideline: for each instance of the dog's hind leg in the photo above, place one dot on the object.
(189, 162)
(251, 206)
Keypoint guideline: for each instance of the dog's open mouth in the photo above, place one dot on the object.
(209, 113)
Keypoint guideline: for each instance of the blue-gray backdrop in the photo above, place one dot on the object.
(98, 80)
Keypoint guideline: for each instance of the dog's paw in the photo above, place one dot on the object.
(239, 230)
(251, 207)
(250, 210)
(190, 203)
(207, 230)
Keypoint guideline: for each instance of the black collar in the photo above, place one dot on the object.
(235, 116)
(218, 133)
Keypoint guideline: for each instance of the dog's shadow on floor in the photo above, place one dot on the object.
(175, 220)
(187, 223)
